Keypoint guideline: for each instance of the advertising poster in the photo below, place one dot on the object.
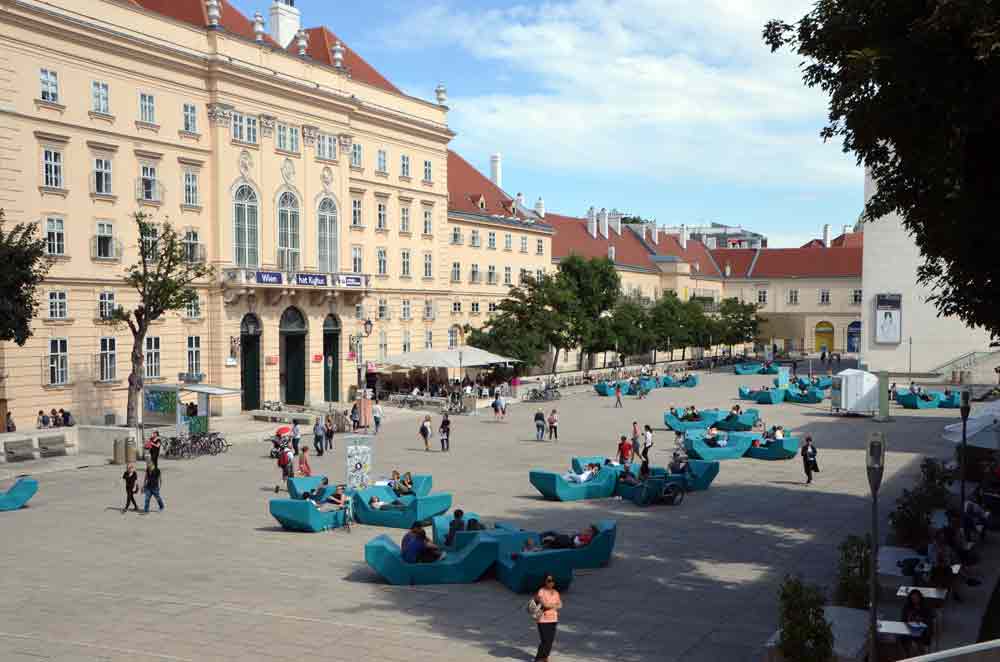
(888, 319)
(359, 464)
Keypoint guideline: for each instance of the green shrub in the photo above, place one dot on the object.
(911, 519)
(806, 635)
(854, 573)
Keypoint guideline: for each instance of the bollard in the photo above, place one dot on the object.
(118, 455)
(130, 450)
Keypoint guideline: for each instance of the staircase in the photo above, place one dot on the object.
(981, 365)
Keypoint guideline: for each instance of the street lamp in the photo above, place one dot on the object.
(875, 463)
(964, 411)
(357, 343)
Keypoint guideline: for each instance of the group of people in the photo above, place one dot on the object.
(54, 419)
(426, 431)
(551, 423)
(151, 484)
(355, 415)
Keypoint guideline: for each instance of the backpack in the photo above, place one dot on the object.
(283, 459)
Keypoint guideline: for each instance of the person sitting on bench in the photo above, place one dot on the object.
(714, 439)
(403, 484)
(627, 477)
(735, 411)
(338, 498)
(916, 614)
(416, 548)
(677, 465)
(454, 526)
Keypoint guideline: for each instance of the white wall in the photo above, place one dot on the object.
(891, 259)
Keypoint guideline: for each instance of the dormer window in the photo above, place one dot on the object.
(481, 202)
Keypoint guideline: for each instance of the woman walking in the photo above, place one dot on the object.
(296, 436)
(554, 425)
(647, 443)
(153, 444)
(377, 415)
(809, 460)
(131, 478)
(425, 432)
(355, 417)
(328, 433)
(444, 430)
(548, 619)
(304, 468)
(151, 485)
(618, 396)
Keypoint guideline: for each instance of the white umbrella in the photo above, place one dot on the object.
(458, 357)
(981, 430)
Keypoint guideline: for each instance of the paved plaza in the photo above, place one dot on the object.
(214, 578)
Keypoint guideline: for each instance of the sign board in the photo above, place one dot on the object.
(359, 464)
(349, 280)
(317, 358)
(231, 362)
(888, 319)
(271, 360)
(313, 280)
(269, 277)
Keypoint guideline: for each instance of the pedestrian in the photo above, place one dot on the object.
(131, 478)
(286, 464)
(9, 424)
(809, 460)
(822, 357)
(318, 433)
(444, 430)
(151, 485)
(503, 407)
(636, 436)
(328, 429)
(647, 443)
(153, 445)
(425, 432)
(554, 426)
(355, 417)
(496, 407)
(550, 603)
(892, 391)
(304, 468)
(296, 436)
(43, 421)
(624, 450)
(539, 425)
(377, 415)
(618, 396)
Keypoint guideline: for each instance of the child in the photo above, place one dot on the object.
(131, 478)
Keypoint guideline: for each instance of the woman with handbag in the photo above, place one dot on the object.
(809, 464)
(131, 478)
(153, 446)
(548, 604)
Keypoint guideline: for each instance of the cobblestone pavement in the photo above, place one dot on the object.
(213, 578)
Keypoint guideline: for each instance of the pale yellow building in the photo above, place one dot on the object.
(317, 190)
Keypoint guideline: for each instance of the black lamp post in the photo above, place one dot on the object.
(964, 411)
(357, 343)
(875, 463)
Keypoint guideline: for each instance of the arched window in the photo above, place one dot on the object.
(327, 217)
(245, 240)
(288, 232)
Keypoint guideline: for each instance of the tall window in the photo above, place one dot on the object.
(57, 305)
(539, 247)
(491, 240)
(761, 297)
(356, 261)
(356, 155)
(99, 98)
(383, 309)
(491, 275)
(428, 309)
(108, 360)
(404, 310)
(288, 138)
(824, 297)
(55, 236)
(326, 146)
(58, 361)
(194, 355)
(105, 305)
(428, 339)
(102, 176)
(147, 108)
(381, 163)
(508, 277)
(456, 272)
(524, 244)
(539, 274)
(193, 309)
(105, 241)
(456, 236)
(428, 175)
(50, 85)
(452, 338)
(404, 165)
(856, 297)
(191, 195)
(404, 262)
(148, 188)
(192, 246)
(428, 265)
(244, 128)
(475, 307)
(52, 160)
(148, 241)
(382, 260)
(456, 306)
(327, 236)
(383, 346)
(356, 218)
(474, 238)
(474, 273)
(407, 343)
(428, 222)
(152, 356)
(508, 241)
(245, 252)
(793, 297)
(404, 219)
(190, 117)
(288, 232)
(381, 216)
(491, 307)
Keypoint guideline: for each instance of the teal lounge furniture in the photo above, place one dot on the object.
(690, 382)
(746, 393)
(441, 523)
(810, 396)
(736, 446)
(739, 423)
(951, 401)
(770, 397)
(772, 369)
(914, 401)
(297, 487)
(604, 389)
(19, 494)
(706, 417)
(700, 474)
(522, 572)
(414, 509)
(301, 515)
(775, 449)
(748, 368)
(554, 487)
(648, 383)
(667, 381)
(462, 566)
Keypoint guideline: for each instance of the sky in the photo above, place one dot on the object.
(667, 109)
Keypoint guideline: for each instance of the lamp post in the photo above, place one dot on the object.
(964, 411)
(357, 343)
(875, 463)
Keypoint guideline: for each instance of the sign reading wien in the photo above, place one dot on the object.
(307, 280)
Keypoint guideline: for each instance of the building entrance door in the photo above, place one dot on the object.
(331, 359)
(250, 362)
(854, 337)
(824, 337)
(293, 356)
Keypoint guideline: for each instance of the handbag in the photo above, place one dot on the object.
(147, 445)
(534, 609)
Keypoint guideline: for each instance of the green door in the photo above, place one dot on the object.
(331, 366)
(250, 362)
(295, 369)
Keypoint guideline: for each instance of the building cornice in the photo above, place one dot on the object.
(499, 221)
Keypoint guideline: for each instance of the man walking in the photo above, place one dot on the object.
(809, 464)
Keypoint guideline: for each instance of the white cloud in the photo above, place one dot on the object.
(666, 88)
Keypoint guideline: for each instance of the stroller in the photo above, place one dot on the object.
(280, 440)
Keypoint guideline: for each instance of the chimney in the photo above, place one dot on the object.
(655, 232)
(302, 42)
(214, 12)
(441, 94)
(848, 229)
(286, 21)
(710, 242)
(338, 55)
(592, 223)
(540, 207)
(258, 27)
(520, 199)
(683, 239)
(496, 169)
(826, 235)
(602, 219)
(729, 270)
(615, 220)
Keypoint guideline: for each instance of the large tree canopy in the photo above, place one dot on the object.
(23, 256)
(914, 94)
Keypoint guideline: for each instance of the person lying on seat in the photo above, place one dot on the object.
(377, 504)
(714, 439)
(554, 540)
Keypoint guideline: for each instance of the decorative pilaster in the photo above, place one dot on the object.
(346, 140)
(220, 114)
(267, 125)
(310, 134)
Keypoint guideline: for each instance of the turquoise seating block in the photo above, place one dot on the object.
(603, 388)
(578, 463)
(554, 487)
(706, 418)
(745, 393)
(422, 484)
(784, 449)
(459, 567)
(810, 396)
(667, 381)
(19, 494)
(913, 401)
(415, 508)
(297, 487)
(440, 524)
(772, 369)
(771, 397)
(690, 382)
(736, 446)
(748, 368)
(522, 572)
(648, 383)
(739, 423)
(951, 401)
(301, 515)
(824, 383)
(700, 474)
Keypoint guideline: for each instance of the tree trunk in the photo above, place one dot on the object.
(684, 350)
(136, 377)
(555, 361)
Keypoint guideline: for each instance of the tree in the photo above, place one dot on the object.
(631, 327)
(806, 635)
(593, 287)
(23, 254)
(914, 95)
(163, 277)
(665, 322)
(737, 322)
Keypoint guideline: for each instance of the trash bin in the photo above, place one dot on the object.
(130, 450)
(118, 455)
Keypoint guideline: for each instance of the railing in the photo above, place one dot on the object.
(981, 652)
(966, 361)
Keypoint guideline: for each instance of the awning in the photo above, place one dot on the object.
(194, 388)
(459, 357)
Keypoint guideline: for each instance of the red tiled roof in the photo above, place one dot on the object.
(321, 42)
(571, 238)
(807, 262)
(814, 243)
(194, 13)
(849, 240)
(696, 254)
(466, 186)
(738, 259)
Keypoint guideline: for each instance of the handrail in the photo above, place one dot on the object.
(955, 653)
(976, 356)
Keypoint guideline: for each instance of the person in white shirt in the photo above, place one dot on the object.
(779, 433)
(377, 415)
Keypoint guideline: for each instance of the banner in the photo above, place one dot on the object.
(888, 319)
(359, 465)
